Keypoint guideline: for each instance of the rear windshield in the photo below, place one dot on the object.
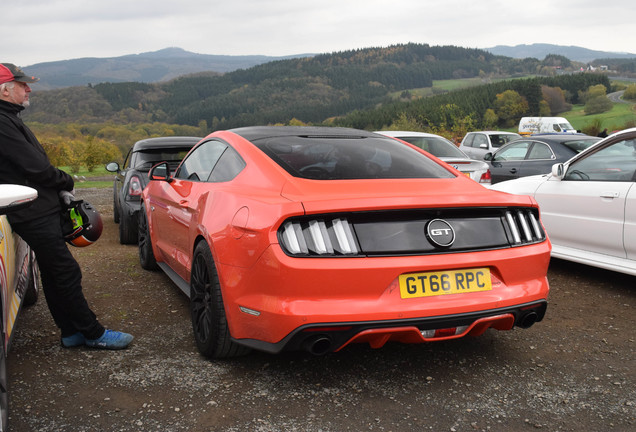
(579, 145)
(342, 158)
(436, 146)
(146, 159)
(499, 140)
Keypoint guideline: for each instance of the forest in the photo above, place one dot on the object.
(355, 88)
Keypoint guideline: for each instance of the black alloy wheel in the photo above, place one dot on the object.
(115, 208)
(146, 256)
(207, 311)
(127, 230)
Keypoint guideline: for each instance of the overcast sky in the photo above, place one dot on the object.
(37, 31)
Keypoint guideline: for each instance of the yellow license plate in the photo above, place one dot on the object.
(446, 282)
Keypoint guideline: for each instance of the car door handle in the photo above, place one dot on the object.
(609, 194)
(513, 170)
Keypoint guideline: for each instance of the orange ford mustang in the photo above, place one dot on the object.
(288, 238)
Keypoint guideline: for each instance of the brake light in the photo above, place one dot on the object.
(134, 187)
(485, 177)
(318, 237)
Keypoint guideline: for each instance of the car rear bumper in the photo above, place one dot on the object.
(320, 338)
(283, 302)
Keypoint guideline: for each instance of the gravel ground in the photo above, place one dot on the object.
(575, 371)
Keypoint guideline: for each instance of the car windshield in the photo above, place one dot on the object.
(436, 146)
(500, 139)
(579, 145)
(616, 162)
(340, 158)
(148, 158)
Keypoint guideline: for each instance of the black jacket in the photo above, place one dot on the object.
(23, 161)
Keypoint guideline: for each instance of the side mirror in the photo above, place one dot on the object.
(160, 172)
(15, 197)
(112, 167)
(488, 156)
(558, 170)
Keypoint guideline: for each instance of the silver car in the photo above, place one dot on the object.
(445, 150)
(477, 144)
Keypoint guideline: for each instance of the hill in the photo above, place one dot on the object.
(540, 51)
(310, 89)
(317, 90)
(157, 66)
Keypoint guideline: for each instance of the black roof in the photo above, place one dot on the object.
(172, 141)
(258, 132)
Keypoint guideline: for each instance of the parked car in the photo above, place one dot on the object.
(133, 177)
(588, 204)
(477, 144)
(313, 238)
(445, 150)
(19, 279)
(535, 154)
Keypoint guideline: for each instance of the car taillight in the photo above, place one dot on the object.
(485, 177)
(318, 237)
(134, 187)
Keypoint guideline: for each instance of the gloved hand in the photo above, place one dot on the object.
(67, 197)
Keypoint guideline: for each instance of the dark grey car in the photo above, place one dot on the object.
(133, 177)
(535, 155)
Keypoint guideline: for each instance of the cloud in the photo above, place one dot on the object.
(63, 29)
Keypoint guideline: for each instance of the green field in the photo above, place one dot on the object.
(617, 118)
(94, 179)
(444, 86)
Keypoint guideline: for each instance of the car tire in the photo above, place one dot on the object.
(127, 230)
(4, 382)
(146, 255)
(115, 209)
(207, 311)
(33, 285)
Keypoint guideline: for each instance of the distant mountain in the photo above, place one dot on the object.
(157, 66)
(309, 89)
(539, 51)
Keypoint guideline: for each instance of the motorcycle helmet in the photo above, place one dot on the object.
(81, 224)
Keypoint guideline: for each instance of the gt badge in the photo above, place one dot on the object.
(440, 233)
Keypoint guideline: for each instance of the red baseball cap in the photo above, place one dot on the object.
(10, 72)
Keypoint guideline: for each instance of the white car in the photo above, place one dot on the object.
(19, 279)
(445, 150)
(588, 204)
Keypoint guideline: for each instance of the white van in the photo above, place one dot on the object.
(534, 125)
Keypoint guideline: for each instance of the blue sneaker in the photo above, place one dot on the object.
(111, 339)
(73, 341)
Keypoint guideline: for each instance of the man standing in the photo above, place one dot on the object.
(24, 161)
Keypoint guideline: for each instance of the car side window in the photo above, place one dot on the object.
(512, 152)
(540, 151)
(230, 164)
(201, 161)
(616, 162)
(128, 161)
(469, 140)
(479, 140)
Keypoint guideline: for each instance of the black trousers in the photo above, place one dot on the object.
(61, 277)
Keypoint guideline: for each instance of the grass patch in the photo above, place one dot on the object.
(614, 119)
(444, 86)
(98, 178)
(99, 171)
(93, 184)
